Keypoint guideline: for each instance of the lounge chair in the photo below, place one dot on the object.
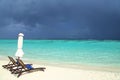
(12, 63)
(26, 68)
(15, 65)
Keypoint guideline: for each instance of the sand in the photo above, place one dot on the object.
(59, 73)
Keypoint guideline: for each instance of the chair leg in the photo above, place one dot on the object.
(19, 74)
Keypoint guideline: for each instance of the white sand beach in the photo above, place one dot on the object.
(59, 73)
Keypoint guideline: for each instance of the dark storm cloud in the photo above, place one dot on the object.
(73, 19)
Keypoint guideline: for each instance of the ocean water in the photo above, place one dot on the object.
(69, 52)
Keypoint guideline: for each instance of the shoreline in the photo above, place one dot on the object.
(59, 73)
(70, 66)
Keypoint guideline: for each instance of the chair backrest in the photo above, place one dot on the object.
(12, 60)
(22, 64)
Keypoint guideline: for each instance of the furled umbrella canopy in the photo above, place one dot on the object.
(20, 52)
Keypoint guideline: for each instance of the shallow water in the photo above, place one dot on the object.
(69, 52)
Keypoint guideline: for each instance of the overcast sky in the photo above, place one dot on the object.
(60, 19)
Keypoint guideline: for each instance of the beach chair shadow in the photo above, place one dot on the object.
(26, 69)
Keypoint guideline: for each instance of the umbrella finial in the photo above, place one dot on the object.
(20, 34)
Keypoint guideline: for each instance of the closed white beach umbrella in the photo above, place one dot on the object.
(20, 52)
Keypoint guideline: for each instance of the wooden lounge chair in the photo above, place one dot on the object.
(12, 63)
(26, 69)
(15, 65)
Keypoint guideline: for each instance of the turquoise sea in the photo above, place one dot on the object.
(69, 52)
